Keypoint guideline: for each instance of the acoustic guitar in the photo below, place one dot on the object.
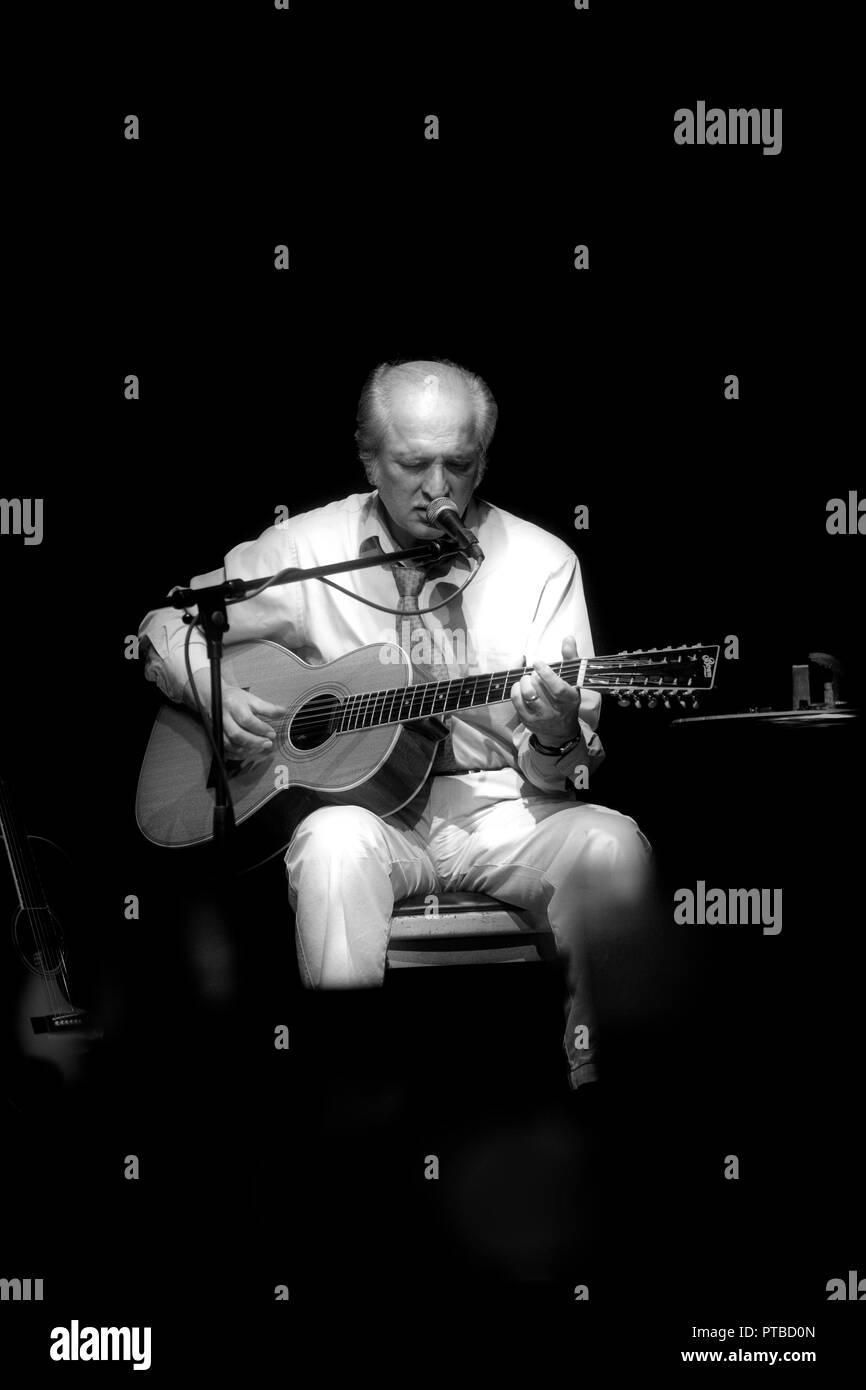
(356, 731)
(48, 1029)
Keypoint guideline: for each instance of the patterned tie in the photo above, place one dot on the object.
(412, 630)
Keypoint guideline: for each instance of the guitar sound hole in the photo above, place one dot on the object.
(37, 936)
(314, 723)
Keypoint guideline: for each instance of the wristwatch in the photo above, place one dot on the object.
(554, 752)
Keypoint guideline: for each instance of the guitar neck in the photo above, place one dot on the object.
(658, 671)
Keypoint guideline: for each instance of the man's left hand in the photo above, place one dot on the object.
(548, 705)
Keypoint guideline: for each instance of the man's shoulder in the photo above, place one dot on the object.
(356, 504)
(534, 543)
(341, 517)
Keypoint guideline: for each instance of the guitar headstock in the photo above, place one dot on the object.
(672, 676)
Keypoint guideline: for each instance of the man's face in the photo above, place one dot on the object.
(429, 451)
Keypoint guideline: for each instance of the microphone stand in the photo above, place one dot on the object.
(213, 602)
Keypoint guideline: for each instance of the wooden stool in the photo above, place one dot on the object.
(463, 929)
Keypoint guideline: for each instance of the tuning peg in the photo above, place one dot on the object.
(623, 699)
(667, 701)
(638, 703)
(652, 701)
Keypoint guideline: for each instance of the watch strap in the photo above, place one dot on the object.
(535, 742)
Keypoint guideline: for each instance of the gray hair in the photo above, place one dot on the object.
(374, 407)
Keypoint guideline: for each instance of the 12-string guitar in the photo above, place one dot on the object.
(356, 731)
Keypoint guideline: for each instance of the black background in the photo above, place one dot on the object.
(707, 518)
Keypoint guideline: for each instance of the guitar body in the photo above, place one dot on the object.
(380, 769)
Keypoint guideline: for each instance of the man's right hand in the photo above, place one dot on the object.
(247, 719)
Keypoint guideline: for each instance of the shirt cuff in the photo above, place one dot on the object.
(164, 661)
(550, 773)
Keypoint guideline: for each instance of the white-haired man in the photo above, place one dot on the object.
(498, 814)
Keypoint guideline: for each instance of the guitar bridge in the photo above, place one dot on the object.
(72, 1022)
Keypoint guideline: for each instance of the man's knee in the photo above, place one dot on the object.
(608, 851)
(618, 841)
(336, 832)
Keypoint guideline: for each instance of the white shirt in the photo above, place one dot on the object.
(527, 596)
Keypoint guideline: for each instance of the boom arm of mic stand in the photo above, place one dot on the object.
(232, 590)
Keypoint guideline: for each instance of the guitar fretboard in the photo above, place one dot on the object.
(664, 670)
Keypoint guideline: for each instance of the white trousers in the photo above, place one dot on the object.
(569, 865)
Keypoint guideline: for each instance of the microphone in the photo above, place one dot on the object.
(442, 512)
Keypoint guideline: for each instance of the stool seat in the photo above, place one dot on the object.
(433, 905)
(463, 929)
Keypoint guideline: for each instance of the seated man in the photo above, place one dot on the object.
(499, 813)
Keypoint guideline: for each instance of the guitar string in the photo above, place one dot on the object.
(30, 887)
(431, 689)
(17, 856)
(26, 888)
(432, 703)
(619, 663)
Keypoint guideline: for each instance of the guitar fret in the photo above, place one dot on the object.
(495, 687)
(388, 706)
(377, 706)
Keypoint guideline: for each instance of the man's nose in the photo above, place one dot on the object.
(435, 482)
